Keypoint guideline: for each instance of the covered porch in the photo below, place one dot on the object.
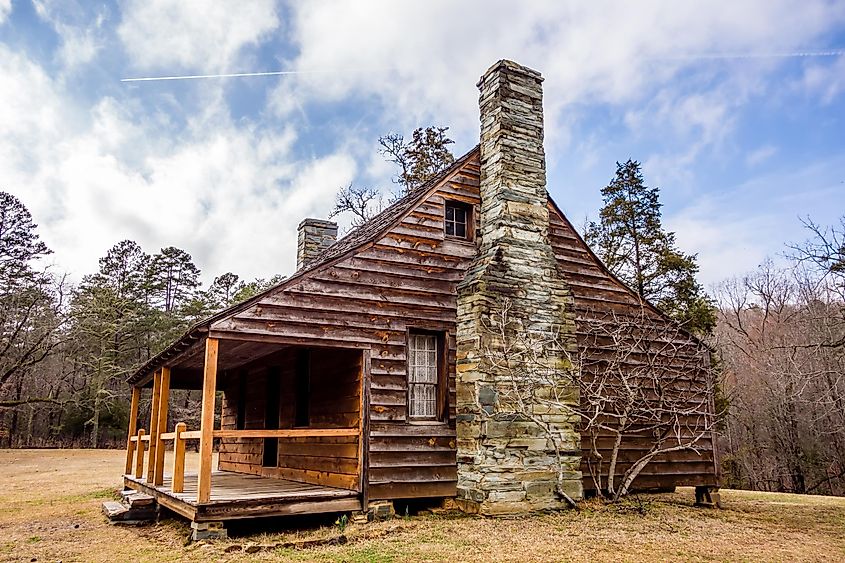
(287, 420)
(238, 495)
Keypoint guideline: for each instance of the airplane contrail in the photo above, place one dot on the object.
(228, 75)
(775, 55)
(797, 54)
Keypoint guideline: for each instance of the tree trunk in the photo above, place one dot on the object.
(13, 426)
(95, 421)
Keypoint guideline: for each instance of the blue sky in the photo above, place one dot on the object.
(736, 110)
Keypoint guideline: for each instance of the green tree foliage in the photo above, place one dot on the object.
(630, 239)
(20, 245)
(251, 289)
(173, 282)
(223, 289)
(173, 278)
(63, 365)
(112, 321)
(30, 299)
(421, 158)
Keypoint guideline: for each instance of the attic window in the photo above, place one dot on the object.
(458, 220)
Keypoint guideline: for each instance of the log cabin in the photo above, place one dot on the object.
(361, 378)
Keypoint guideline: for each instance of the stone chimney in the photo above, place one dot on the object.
(315, 235)
(506, 462)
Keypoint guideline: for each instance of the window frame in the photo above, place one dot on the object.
(468, 209)
(440, 385)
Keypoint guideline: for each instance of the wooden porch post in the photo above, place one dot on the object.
(139, 459)
(364, 431)
(153, 426)
(133, 428)
(163, 402)
(209, 388)
(177, 484)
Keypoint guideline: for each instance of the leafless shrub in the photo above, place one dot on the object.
(632, 377)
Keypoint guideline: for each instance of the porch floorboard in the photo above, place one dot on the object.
(239, 495)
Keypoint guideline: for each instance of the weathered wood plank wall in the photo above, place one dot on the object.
(597, 298)
(335, 403)
(407, 279)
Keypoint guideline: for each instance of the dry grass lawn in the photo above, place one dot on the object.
(50, 510)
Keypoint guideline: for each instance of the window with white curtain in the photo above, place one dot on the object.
(422, 376)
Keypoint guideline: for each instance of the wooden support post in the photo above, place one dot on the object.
(139, 455)
(364, 431)
(133, 428)
(209, 389)
(153, 426)
(163, 402)
(177, 485)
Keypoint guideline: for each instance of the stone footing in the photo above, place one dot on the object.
(134, 508)
(708, 497)
(208, 531)
(380, 510)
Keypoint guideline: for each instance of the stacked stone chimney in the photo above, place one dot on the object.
(506, 463)
(315, 235)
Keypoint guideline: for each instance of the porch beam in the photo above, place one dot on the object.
(287, 433)
(133, 428)
(151, 455)
(163, 405)
(209, 388)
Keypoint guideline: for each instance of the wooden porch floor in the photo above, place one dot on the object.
(238, 495)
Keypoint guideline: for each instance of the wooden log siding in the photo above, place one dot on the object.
(335, 404)
(597, 295)
(406, 278)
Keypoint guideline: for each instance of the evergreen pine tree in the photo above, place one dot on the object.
(630, 239)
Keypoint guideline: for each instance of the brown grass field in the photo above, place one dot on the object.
(50, 511)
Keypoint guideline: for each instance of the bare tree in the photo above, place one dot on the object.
(780, 334)
(642, 378)
(420, 158)
(632, 377)
(361, 203)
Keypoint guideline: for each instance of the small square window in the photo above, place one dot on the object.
(458, 220)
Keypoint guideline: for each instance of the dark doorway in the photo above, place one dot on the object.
(271, 417)
(303, 388)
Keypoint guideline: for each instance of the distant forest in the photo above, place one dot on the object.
(66, 350)
(777, 333)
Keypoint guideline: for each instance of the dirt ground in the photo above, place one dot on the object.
(50, 511)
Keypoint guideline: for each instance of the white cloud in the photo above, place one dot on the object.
(229, 193)
(760, 155)
(193, 34)
(81, 40)
(418, 58)
(826, 80)
(5, 10)
(734, 229)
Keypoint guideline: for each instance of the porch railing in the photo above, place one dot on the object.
(138, 444)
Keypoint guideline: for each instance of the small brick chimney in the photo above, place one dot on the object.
(506, 463)
(315, 235)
